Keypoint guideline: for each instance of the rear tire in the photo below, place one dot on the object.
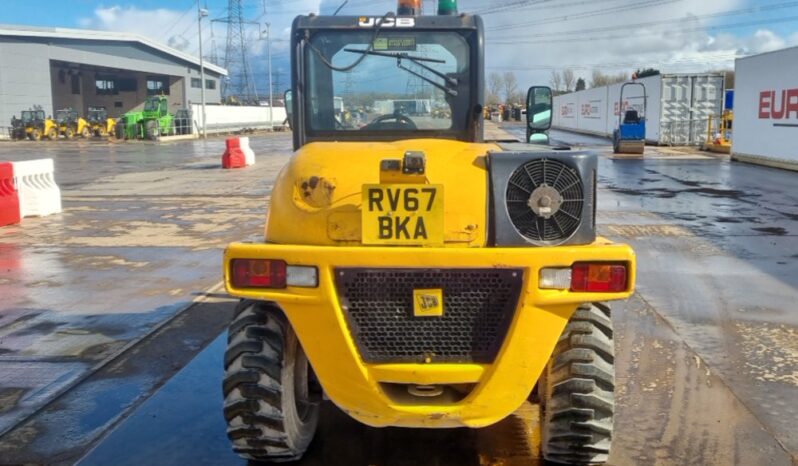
(35, 135)
(119, 131)
(86, 133)
(270, 398)
(577, 390)
(152, 130)
(69, 133)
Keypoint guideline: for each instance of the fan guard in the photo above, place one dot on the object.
(545, 198)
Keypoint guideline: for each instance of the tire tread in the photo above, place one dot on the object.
(253, 387)
(578, 397)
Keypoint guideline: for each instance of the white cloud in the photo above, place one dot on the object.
(684, 45)
(163, 25)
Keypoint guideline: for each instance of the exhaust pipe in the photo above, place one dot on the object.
(425, 391)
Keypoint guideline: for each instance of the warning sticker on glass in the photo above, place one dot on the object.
(395, 44)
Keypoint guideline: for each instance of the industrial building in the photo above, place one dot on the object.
(57, 68)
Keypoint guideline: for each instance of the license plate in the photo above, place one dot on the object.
(403, 214)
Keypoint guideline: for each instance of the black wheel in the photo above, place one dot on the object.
(152, 131)
(35, 135)
(119, 131)
(616, 142)
(69, 133)
(577, 390)
(271, 399)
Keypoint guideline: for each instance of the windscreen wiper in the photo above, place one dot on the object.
(395, 55)
(399, 56)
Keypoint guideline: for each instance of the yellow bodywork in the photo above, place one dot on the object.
(103, 128)
(317, 197)
(48, 130)
(80, 127)
(719, 133)
(315, 220)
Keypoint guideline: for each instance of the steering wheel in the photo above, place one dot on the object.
(400, 122)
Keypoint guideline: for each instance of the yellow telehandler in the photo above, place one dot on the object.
(70, 124)
(416, 274)
(100, 124)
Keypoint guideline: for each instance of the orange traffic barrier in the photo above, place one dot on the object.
(233, 156)
(9, 197)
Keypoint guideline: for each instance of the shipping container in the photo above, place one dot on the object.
(678, 110)
(766, 109)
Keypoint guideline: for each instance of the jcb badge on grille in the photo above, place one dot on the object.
(428, 303)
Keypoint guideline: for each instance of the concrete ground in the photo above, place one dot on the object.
(111, 314)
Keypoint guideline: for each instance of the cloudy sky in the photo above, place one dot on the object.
(529, 37)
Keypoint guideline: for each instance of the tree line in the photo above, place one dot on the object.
(502, 88)
(565, 81)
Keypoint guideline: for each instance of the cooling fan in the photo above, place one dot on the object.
(543, 199)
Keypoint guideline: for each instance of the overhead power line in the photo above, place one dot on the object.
(647, 24)
(680, 31)
(585, 14)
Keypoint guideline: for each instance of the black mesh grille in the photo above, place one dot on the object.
(478, 306)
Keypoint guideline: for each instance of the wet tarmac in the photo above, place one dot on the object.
(707, 354)
(139, 241)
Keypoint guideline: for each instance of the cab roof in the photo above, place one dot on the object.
(429, 22)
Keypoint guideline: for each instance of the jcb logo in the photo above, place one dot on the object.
(366, 22)
(428, 303)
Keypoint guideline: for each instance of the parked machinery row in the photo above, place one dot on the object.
(34, 125)
(151, 123)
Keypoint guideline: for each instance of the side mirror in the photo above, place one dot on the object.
(289, 108)
(538, 110)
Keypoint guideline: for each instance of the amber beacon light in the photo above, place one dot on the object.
(409, 7)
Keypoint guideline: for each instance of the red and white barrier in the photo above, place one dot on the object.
(9, 198)
(249, 154)
(39, 195)
(234, 155)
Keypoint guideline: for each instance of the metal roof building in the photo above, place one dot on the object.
(58, 68)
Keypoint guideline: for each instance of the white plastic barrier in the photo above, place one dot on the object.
(249, 154)
(231, 118)
(38, 193)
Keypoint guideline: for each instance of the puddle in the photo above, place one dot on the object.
(775, 231)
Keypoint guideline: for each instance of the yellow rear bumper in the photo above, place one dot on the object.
(499, 388)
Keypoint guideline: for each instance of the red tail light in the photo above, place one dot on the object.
(258, 273)
(599, 277)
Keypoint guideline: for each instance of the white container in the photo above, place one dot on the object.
(679, 107)
(565, 111)
(593, 108)
(766, 109)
